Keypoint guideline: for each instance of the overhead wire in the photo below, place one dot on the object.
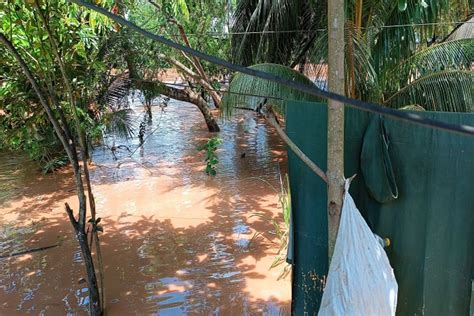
(311, 90)
(219, 34)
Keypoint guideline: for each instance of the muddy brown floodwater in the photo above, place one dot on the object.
(175, 241)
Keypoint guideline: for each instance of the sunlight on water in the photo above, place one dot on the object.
(175, 240)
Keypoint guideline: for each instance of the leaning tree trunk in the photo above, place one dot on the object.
(188, 95)
(196, 99)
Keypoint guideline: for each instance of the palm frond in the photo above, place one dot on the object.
(248, 92)
(357, 52)
(392, 44)
(451, 55)
(357, 49)
(266, 31)
(118, 122)
(448, 90)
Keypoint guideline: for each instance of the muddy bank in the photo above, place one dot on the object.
(175, 242)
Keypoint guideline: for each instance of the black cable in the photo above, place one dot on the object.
(312, 90)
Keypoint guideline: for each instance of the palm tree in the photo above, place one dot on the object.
(275, 31)
(388, 60)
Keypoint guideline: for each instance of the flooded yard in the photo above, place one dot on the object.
(175, 240)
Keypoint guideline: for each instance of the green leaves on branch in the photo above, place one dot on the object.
(78, 35)
(451, 55)
(265, 30)
(180, 8)
(389, 47)
(211, 159)
(118, 123)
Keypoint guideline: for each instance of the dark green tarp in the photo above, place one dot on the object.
(430, 224)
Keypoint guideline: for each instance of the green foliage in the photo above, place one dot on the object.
(390, 45)
(55, 163)
(288, 27)
(410, 67)
(248, 91)
(448, 90)
(151, 90)
(438, 78)
(386, 57)
(116, 122)
(79, 36)
(199, 19)
(180, 8)
(211, 159)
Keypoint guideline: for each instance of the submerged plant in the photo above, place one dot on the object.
(211, 157)
(54, 163)
(282, 232)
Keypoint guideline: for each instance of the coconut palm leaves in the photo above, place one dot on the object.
(438, 78)
(391, 57)
(449, 90)
(248, 92)
(277, 31)
(118, 123)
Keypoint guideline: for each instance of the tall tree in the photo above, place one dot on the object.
(382, 37)
(49, 51)
(145, 60)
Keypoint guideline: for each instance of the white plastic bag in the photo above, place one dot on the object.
(360, 279)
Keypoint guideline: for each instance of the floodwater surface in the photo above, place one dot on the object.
(175, 240)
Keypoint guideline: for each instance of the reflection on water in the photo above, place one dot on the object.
(176, 241)
(14, 174)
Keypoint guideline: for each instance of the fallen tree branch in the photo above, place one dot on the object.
(188, 95)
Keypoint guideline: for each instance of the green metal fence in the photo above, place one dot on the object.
(430, 223)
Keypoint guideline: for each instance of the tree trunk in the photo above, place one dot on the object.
(187, 95)
(335, 163)
(148, 109)
(192, 75)
(94, 296)
(61, 129)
